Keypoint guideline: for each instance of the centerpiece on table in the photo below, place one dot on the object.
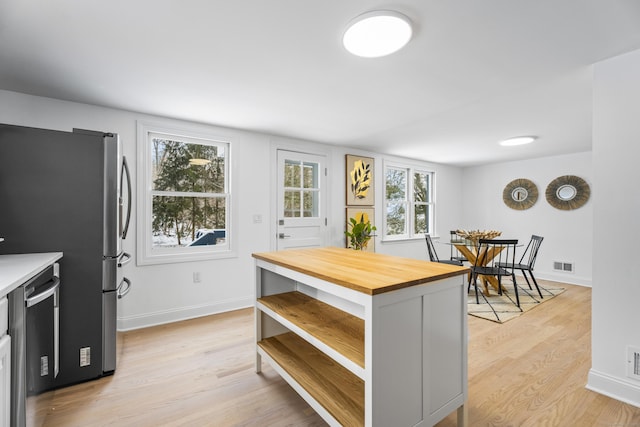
(475, 235)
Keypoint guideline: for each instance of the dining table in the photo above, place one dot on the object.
(468, 244)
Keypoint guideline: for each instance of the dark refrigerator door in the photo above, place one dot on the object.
(51, 187)
(112, 165)
(112, 243)
(109, 332)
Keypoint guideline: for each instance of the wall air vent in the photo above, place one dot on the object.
(633, 363)
(566, 267)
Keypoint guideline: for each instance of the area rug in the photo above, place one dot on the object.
(502, 308)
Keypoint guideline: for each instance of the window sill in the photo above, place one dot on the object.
(175, 258)
(405, 239)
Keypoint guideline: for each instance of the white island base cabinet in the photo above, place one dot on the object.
(366, 339)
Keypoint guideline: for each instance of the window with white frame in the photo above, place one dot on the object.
(185, 196)
(408, 202)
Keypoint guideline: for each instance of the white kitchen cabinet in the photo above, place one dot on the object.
(5, 380)
(5, 364)
(4, 316)
(366, 339)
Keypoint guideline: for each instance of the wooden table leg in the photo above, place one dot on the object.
(493, 281)
(486, 280)
(472, 256)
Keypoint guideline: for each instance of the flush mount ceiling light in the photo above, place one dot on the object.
(519, 140)
(377, 33)
(199, 162)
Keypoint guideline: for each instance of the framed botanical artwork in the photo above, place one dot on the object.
(360, 185)
(360, 229)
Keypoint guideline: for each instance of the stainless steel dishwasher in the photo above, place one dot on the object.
(34, 329)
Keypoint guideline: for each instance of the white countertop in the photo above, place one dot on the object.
(19, 268)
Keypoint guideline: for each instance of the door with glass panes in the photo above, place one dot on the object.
(301, 200)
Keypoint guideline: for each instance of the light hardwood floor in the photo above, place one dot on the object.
(530, 371)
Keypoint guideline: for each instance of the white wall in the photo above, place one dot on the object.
(616, 281)
(165, 293)
(567, 234)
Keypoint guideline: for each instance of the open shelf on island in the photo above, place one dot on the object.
(337, 329)
(337, 390)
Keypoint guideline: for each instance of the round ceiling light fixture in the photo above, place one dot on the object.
(377, 33)
(518, 140)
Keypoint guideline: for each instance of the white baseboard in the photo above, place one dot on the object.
(182, 313)
(571, 279)
(614, 387)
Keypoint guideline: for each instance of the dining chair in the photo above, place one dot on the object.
(496, 257)
(433, 256)
(455, 253)
(530, 254)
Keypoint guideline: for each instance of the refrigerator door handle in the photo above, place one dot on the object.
(41, 296)
(124, 259)
(125, 170)
(124, 287)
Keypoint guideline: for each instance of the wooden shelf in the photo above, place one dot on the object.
(337, 390)
(337, 329)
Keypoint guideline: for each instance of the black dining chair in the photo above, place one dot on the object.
(528, 261)
(433, 256)
(455, 253)
(491, 254)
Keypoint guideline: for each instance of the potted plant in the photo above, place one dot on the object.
(360, 233)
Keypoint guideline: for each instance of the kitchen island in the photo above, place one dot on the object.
(366, 339)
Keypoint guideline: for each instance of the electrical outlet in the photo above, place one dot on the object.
(85, 356)
(633, 362)
(196, 277)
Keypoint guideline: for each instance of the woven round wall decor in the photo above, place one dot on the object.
(520, 194)
(568, 192)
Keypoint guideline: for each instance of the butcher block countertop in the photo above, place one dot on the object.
(19, 268)
(366, 272)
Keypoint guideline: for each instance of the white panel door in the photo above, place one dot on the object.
(301, 200)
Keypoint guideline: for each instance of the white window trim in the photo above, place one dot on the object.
(411, 168)
(145, 254)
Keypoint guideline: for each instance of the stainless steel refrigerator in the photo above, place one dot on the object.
(70, 192)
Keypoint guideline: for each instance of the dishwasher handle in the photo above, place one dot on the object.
(44, 294)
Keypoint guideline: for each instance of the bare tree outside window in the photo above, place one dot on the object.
(188, 191)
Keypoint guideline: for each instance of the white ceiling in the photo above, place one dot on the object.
(476, 71)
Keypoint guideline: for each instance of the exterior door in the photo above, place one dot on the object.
(301, 200)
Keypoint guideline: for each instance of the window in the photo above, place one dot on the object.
(301, 189)
(408, 202)
(185, 196)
